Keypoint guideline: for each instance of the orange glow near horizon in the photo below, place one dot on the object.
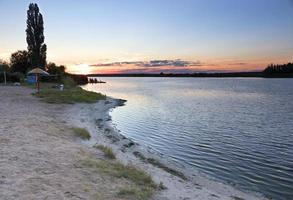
(224, 66)
(79, 69)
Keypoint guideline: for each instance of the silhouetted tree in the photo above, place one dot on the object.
(35, 37)
(19, 62)
(4, 66)
(53, 69)
(279, 69)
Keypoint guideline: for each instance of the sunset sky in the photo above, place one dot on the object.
(150, 36)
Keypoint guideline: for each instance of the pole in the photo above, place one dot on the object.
(38, 83)
(4, 77)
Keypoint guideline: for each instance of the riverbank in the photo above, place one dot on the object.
(41, 157)
(180, 183)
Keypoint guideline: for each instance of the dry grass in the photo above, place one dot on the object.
(82, 133)
(166, 168)
(140, 184)
(108, 152)
(135, 194)
(159, 165)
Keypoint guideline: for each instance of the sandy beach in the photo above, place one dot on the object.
(40, 156)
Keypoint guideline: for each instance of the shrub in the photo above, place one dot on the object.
(68, 82)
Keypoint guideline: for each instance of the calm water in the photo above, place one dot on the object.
(236, 130)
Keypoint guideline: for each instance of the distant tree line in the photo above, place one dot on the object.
(279, 69)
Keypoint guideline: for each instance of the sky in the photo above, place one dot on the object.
(153, 36)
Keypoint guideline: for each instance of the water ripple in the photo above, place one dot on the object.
(235, 130)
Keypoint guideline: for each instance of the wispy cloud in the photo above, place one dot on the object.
(152, 63)
(238, 63)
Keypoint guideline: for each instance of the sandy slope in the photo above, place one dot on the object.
(95, 117)
(39, 155)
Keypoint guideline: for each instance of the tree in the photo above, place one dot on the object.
(4, 66)
(279, 69)
(35, 37)
(53, 69)
(19, 62)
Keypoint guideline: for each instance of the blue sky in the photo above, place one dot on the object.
(217, 33)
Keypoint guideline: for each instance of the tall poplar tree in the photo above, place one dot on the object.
(35, 37)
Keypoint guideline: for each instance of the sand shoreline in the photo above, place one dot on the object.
(39, 154)
(96, 118)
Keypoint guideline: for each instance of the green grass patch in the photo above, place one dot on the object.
(82, 133)
(134, 193)
(68, 82)
(108, 152)
(69, 96)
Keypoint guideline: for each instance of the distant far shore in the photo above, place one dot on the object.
(203, 75)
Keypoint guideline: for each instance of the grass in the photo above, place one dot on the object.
(107, 151)
(82, 133)
(159, 165)
(165, 168)
(162, 186)
(139, 155)
(134, 193)
(141, 185)
(69, 96)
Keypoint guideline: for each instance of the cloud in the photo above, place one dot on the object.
(239, 63)
(152, 63)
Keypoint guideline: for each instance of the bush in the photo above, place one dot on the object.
(68, 82)
(79, 79)
(19, 62)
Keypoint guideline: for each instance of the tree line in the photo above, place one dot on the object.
(279, 69)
